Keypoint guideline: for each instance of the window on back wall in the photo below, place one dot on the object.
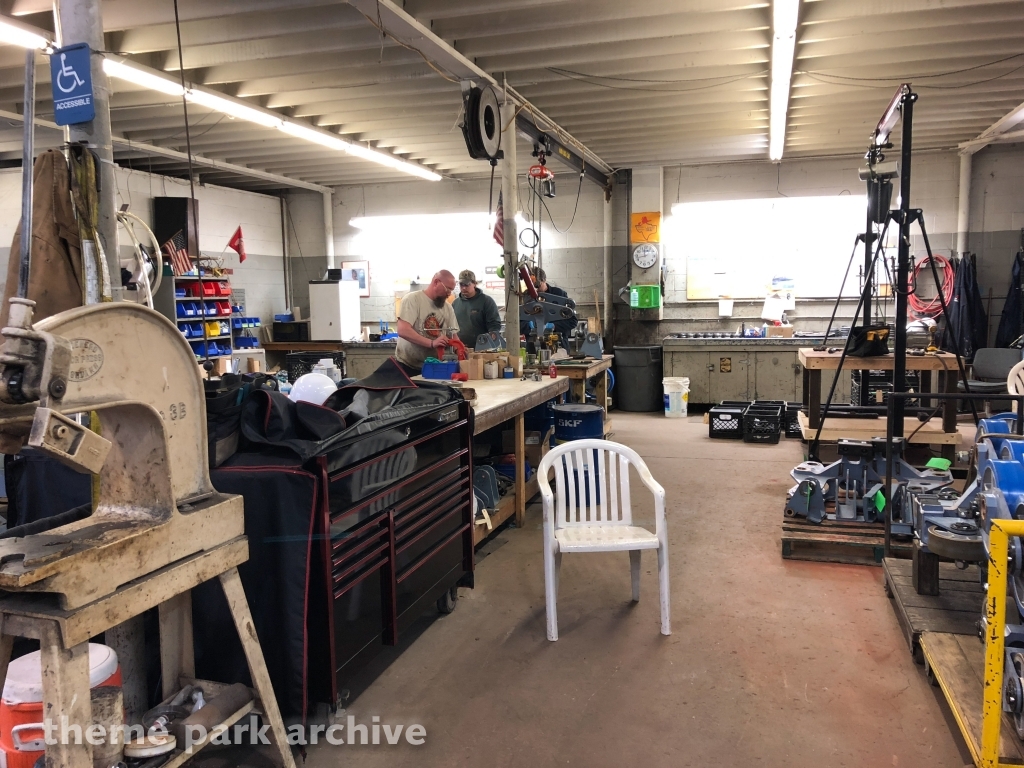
(401, 249)
(737, 248)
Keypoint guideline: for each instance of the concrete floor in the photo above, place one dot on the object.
(771, 662)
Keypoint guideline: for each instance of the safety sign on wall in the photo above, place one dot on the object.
(71, 80)
(645, 227)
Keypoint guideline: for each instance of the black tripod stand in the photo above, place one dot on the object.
(900, 109)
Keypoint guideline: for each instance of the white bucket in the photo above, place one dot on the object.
(677, 396)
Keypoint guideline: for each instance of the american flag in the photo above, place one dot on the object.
(499, 223)
(176, 251)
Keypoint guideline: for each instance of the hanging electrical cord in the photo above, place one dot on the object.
(933, 307)
(576, 207)
(191, 176)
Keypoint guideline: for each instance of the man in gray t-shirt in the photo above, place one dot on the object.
(423, 320)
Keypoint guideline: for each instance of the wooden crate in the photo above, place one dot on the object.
(833, 541)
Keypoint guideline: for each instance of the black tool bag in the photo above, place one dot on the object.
(869, 341)
(224, 412)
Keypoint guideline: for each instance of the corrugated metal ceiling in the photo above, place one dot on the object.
(648, 81)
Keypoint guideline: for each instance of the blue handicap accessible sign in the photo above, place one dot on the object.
(71, 80)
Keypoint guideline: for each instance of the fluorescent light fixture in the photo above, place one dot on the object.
(15, 33)
(122, 70)
(784, 19)
(383, 158)
(321, 137)
(157, 80)
(233, 108)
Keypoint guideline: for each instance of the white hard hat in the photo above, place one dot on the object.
(312, 388)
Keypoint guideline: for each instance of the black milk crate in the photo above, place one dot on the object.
(299, 363)
(726, 421)
(880, 385)
(791, 424)
(762, 423)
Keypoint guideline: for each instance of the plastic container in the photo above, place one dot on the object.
(645, 297)
(791, 424)
(638, 371)
(762, 423)
(298, 363)
(726, 422)
(21, 707)
(677, 396)
(439, 370)
(576, 421)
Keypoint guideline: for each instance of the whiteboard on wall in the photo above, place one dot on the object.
(736, 248)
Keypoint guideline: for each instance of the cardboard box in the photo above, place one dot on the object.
(474, 368)
(252, 365)
(501, 357)
(536, 452)
(508, 440)
(780, 332)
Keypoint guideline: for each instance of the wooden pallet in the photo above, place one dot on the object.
(832, 541)
(956, 663)
(954, 611)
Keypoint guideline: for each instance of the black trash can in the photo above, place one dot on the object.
(638, 375)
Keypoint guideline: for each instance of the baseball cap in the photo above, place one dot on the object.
(466, 277)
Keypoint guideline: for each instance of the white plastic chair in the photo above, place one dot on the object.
(1015, 379)
(592, 514)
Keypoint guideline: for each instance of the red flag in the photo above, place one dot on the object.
(236, 244)
(499, 223)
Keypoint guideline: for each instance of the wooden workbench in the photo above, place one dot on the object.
(579, 372)
(501, 400)
(941, 362)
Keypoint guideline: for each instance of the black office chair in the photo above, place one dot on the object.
(989, 370)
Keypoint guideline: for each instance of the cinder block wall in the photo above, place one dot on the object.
(573, 257)
(571, 249)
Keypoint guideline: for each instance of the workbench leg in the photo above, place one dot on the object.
(814, 398)
(66, 702)
(578, 390)
(949, 381)
(601, 390)
(235, 595)
(177, 651)
(521, 470)
(926, 386)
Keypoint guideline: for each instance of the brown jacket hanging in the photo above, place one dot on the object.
(55, 280)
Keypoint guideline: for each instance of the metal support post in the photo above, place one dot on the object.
(27, 170)
(329, 228)
(81, 21)
(963, 212)
(609, 239)
(510, 207)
